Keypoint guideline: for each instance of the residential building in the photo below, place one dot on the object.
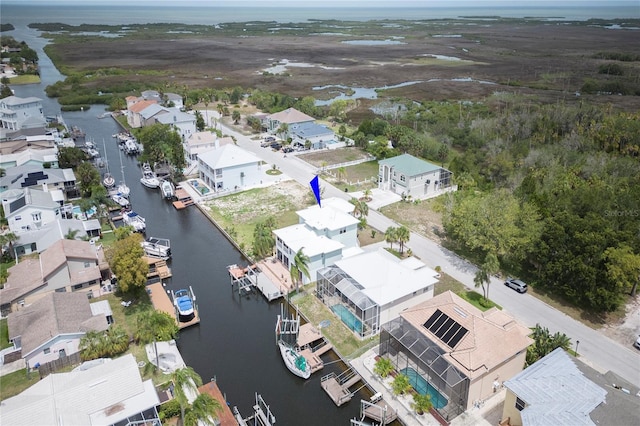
(60, 182)
(149, 114)
(289, 116)
(38, 240)
(62, 320)
(333, 220)
(455, 352)
(230, 168)
(30, 156)
(315, 135)
(20, 113)
(173, 100)
(181, 122)
(65, 266)
(134, 109)
(412, 177)
(110, 393)
(151, 95)
(27, 209)
(200, 142)
(372, 288)
(561, 389)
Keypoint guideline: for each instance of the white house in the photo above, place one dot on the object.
(412, 177)
(38, 240)
(173, 100)
(372, 288)
(183, 123)
(317, 135)
(51, 180)
(322, 251)
(333, 220)
(62, 320)
(27, 209)
(19, 113)
(109, 393)
(229, 168)
(200, 142)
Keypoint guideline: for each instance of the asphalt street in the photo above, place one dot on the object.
(595, 349)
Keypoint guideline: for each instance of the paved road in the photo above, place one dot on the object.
(594, 348)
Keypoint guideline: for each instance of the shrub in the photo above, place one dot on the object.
(383, 367)
(169, 409)
(401, 384)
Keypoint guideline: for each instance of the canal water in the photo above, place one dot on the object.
(235, 341)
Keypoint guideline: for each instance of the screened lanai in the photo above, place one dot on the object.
(424, 362)
(344, 296)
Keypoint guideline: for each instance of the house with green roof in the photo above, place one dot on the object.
(413, 177)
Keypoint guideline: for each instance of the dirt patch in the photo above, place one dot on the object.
(627, 330)
(421, 217)
(328, 157)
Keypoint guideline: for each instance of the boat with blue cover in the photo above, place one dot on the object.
(184, 302)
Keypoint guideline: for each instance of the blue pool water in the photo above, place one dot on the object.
(78, 211)
(348, 318)
(423, 387)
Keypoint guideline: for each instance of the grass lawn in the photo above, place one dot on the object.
(343, 340)
(13, 383)
(4, 334)
(25, 79)
(448, 283)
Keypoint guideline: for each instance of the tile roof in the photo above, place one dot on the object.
(290, 116)
(109, 393)
(556, 392)
(55, 313)
(140, 105)
(477, 352)
(409, 165)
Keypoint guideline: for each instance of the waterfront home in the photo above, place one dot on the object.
(229, 168)
(413, 177)
(134, 108)
(184, 124)
(52, 326)
(200, 142)
(372, 288)
(21, 113)
(66, 266)
(61, 183)
(173, 100)
(315, 135)
(38, 240)
(27, 209)
(149, 114)
(289, 116)
(454, 352)
(108, 393)
(333, 220)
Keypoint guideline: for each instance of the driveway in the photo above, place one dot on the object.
(595, 349)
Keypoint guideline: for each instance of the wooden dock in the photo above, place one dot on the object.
(378, 409)
(226, 416)
(312, 344)
(338, 386)
(253, 276)
(157, 268)
(183, 199)
(162, 302)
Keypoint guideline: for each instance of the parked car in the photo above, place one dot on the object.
(287, 149)
(637, 343)
(265, 144)
(517, 285)
(269, 139)
(276, 146)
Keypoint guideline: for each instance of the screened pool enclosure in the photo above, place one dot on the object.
(344, 296)
(412, 351)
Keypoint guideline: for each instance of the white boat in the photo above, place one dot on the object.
(131, 147)
(295, 362)
(184, 302)
(123, 189)
(134, 220)
(108, 181)
(93, 153)
(167, 188)
(149, 178)
(120, 199)
(157, 247)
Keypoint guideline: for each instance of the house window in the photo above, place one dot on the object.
(18, 218)
(36, 216)
(87, 264)
(77, 286)
(47, 351)
(402, 178)
(520, 404)
(21, 302)
(61, 290)
(343, 230)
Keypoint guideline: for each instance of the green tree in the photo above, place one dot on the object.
(489, 267)
(70, 157)
(341, 174)
(401, 384)
(123, 232)
(71, 235)
(235, 116)
(390, 236)
(360, 208)
(402, 236)
(8, 239)
(162, 144)
(200, 124)
(299, 267)
(421, 403)
(155, 325)
(263, 241)
(623, 267)
(186, 382)
(544, 343)
(383, 367)
(283, 130)
(204, 410)
(125, 260)
(88, 178)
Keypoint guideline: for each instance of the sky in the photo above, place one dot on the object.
(336, 3)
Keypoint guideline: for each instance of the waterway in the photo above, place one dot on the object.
(235, 340)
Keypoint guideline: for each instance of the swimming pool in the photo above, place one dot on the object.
(423, 387)
(348, 318)
(78, 211)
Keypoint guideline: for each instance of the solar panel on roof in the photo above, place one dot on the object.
(445, 328)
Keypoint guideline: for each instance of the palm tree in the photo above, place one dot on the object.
(390, 236)
(283, 130)
(490, 266)
(92, 345)
(402, 236)
(185, 385)
(383, 367)
(71, 235)
(401, 384)
(154, 325)
(299, 267)
(341, 174)
(360, 208)
(236, 116)
(421, 403)
(204, 410)
(367, 194)
(8, 239)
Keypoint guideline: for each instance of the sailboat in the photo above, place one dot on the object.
(108, 181)
(123, 189)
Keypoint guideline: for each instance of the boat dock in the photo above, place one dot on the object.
(183, 199)
(162, 302)
(338, 386)
(255, 276)
(261, 416)
(377, 409)
(158, 269)
(312, 344)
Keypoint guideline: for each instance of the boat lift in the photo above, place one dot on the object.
(262, 415)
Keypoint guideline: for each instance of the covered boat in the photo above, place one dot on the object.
(184, 301)
(295, 362)
(134, 220)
